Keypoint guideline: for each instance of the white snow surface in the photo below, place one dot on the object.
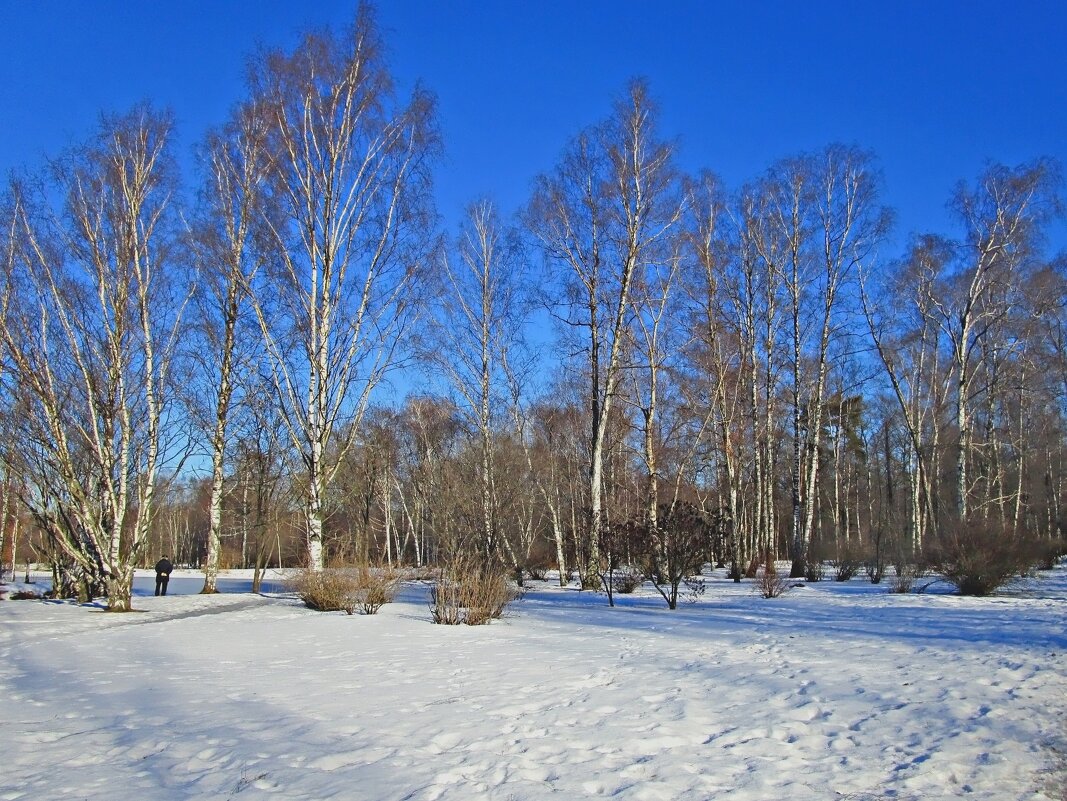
(833, 691)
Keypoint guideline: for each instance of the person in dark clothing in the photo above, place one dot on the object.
(163, 571)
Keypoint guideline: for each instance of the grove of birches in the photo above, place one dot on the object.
(284, 359)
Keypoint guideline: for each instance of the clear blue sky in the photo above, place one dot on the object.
(934, 88)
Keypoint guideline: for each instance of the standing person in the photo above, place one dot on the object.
(163, 571)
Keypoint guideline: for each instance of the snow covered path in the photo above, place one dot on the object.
(832, 691)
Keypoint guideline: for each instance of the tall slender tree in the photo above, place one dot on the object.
(473, 333)
(233, 217)
(601, 215)
(351, 181)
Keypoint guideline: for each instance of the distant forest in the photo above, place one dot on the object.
(643, 371)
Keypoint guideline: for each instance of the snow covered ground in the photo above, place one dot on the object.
(833, 691)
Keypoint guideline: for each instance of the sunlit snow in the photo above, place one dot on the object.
(833, 691)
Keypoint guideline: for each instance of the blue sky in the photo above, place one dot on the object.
(935, 89)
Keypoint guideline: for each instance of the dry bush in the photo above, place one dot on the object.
(363, 589)
(467, 591)
(25, 595)
(487, 594)
(982, 556)
(330, 590)
(676, 545)
(875, 566)
(695, 587)
(446, 601)
(847, 565)
(908, 568)
(814, 571)
(376, 587)
(904, 579)
(769, 582)
(627, 581)
(542, 559)
(537, 572)
(1049, 553)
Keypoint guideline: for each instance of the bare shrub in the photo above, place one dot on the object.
(876, 559)
(695, 587)
(846, 565)
(541, 559)
(981, 556)
(1049, 553)
(875, 566)
(908, 568)
(330, 590)
(468, 591)
(25, 595)
(627, 580)
(903, 579)
(676, 546)
(619, 543)
(769, 582)
(446, 604)
(814, 570)
(376, 587)
(537, 572)
(487, 595)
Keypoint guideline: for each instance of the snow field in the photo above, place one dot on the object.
(832, 691)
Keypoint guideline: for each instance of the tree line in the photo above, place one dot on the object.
(636, 342)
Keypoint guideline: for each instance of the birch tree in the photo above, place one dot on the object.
(237, 164)
(906, 338)
(1003, 215)
(599, 216)
(352, 187)
(827, 216)
(475, 329)
(90, 341)
(724, 345)
(757, 298)
(656, 334)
